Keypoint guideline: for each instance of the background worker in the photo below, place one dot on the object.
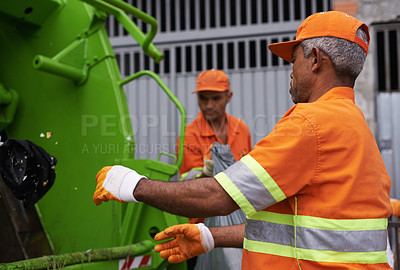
(212, 124)
(315, 190)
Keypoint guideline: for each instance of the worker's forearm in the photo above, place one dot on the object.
(230, 236)
(192, 198)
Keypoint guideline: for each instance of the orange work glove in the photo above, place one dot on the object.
(190, 240)
(395, 207)
(208, 163)
(116, 183)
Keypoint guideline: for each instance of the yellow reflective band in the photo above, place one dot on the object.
(264, 177)
(342, 224)
(342, 257)
(273, 217)
(183, 175)
(268, 248)
(315, 255)
(323, 223)
(235, 193)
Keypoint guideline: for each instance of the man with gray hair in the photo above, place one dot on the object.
(346, 56)
(315, 190)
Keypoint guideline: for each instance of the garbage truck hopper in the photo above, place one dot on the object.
(60, 88)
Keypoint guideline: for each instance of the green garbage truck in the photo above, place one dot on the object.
(61, 90)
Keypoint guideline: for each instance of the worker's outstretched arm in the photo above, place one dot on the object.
(202, 197)
(228, 236)
(190, 240)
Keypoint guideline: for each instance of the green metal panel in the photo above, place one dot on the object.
(70, 101)
(31, 11)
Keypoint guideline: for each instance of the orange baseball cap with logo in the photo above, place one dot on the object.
(212, 80)
(323, 24)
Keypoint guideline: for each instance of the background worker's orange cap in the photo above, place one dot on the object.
(212, 80)
(323, 24)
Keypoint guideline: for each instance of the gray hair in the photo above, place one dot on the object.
(347, 57)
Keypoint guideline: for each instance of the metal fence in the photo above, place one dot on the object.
(195, 35)
(393, 230)
(388, 136)
(388, 97)
(388, 113)
(156, 123)
(177, 16)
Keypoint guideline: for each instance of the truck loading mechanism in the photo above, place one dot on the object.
(60, 88)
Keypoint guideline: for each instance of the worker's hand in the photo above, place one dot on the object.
(208, 162)
(190, 240)
(208, 167)
(116, 183)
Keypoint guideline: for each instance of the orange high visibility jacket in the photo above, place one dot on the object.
(315, 191)
(199, 136)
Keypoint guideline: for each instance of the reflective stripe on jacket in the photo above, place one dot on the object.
(315, 191)
(317, 239)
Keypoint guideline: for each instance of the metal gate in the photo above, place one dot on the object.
(256, 101)
(388, 98)
(389, 136)
(195, 35)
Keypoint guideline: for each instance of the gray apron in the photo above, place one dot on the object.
(222, 258)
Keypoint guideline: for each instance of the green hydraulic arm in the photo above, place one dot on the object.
(174, 99)
(97, 255)
(117, 8)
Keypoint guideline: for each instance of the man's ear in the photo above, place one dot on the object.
(229, 95)
(316, 58)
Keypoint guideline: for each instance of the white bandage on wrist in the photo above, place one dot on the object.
(206, 237)
(121, 182)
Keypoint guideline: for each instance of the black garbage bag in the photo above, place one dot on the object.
(27, 169)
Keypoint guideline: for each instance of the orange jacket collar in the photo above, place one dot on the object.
(338, 93)
(207, 131)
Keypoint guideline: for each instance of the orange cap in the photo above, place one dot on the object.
(323, 24)
(212, 80)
